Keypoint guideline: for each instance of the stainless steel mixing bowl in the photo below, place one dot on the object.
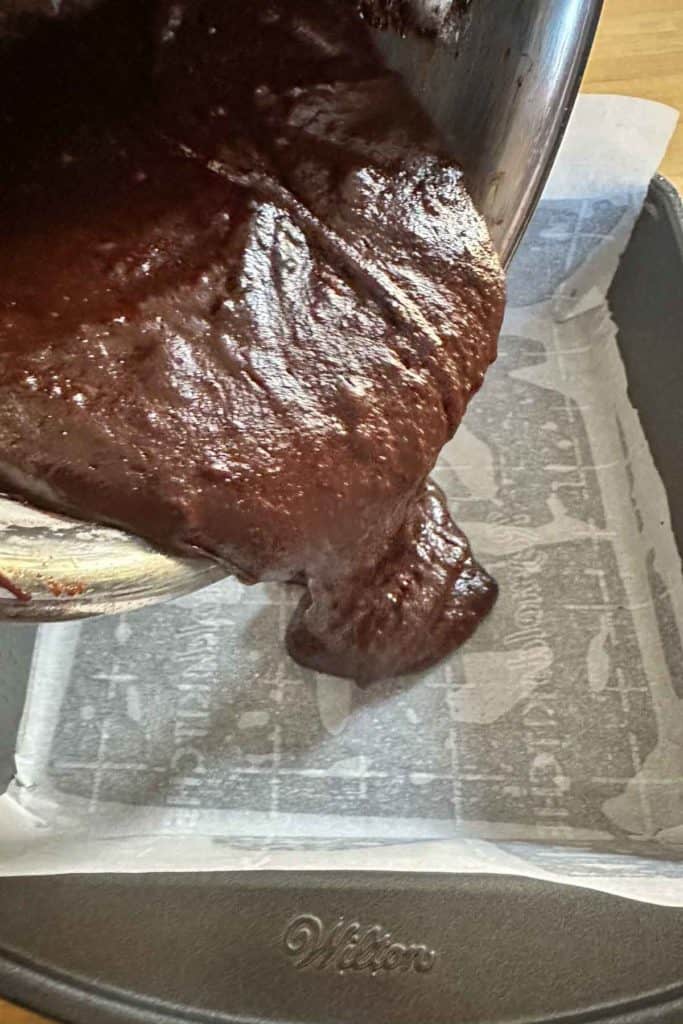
(501, 89)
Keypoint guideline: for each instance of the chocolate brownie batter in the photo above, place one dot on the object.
(441, 19)
(244, 302)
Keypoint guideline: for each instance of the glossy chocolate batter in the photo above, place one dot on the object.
(244, 302)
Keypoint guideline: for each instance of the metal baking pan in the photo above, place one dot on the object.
(269, 947)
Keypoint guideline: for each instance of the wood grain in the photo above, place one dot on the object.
(638, 52)
(13, 1015)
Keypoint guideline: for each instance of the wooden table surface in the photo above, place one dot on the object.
(639, 52)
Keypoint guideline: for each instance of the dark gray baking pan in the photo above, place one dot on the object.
(279, 947)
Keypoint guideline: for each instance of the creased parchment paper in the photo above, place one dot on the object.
(182, 737)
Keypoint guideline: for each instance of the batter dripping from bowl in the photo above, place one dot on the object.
(245, 300)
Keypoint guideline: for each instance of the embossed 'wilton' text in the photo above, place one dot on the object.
(347, 946)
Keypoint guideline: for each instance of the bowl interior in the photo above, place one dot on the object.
(500, 85)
